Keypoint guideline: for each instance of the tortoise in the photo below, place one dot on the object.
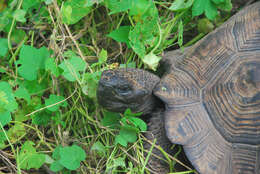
(211, 94)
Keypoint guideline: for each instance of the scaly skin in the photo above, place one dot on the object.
(127, 88)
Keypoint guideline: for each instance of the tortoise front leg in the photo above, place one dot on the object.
(156, 130)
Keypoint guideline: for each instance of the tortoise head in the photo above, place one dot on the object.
(120, 89)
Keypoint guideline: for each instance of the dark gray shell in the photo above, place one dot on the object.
(212, 95)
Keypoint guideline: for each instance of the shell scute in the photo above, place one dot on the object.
(246, 30)
(219, 127)
(209, 56)
(232, 100)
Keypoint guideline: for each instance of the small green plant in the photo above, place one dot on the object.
(8, 103)
(129, 126)
(28, 157)
(68, 157)
(210, 7)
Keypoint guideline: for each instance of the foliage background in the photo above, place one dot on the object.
(52, 53)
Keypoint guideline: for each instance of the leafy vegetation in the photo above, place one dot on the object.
(52, 54)
(129, 126)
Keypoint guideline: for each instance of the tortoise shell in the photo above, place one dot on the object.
(212, 96)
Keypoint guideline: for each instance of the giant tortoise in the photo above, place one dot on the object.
(211, 93)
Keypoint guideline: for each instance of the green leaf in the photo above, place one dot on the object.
(18, 36)
(143, 9)
(20, 115)
(16, 132)
(207, 6)
(70, 157)
(2, 70)
(90, 83)
(226, 5)
(136, 41)
(27, 4)
(180, 34)
(102, 57)
(218, 1)
(121, 34)
(139, 123)
(145, 33)
(31, 60)
(111, 119)
(121, 140)
(56, 166)
(5, 20)
(52, 67)
(92, 2)
(2, 139)
(140, 7)
(99, 147)
(151, 60)
(116, 6)
(210, 10)
(129, 113)
(19, 15)
(74, 10)
(22, 92)
(54, 99)
(179, 5)
(28, 158)
(56, 152)
(34, 87)
(5, 118)
(3, 47)
(72, 67)
(198, 7)
(41, 118)
(126, 134)
(89, 3)
(7, 100)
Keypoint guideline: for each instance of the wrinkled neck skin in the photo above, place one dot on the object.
(120, 89)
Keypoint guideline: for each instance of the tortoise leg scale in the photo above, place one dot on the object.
(157, 162)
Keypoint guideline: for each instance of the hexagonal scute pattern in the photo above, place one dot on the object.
(232, 100)
(212, 98)
(209, 56)
(246, 30)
